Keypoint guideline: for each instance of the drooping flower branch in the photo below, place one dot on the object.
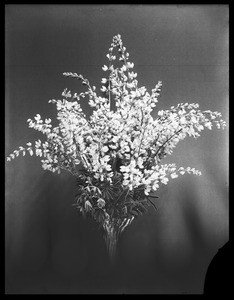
(116, 153)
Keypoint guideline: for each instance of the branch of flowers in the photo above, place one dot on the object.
(85, 119)
(85, 82)
(165, 117)
(83, 158)
(125, 62)
(156, 139)
(109, 86)
(67, 169)
(148, 162)
(120, 88)
(158, 135)
(112, 71)
(142, 134)
(70, 163)
(168, 140)
(74, 168)
(124, 58)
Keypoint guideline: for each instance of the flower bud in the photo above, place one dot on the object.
(101, 203)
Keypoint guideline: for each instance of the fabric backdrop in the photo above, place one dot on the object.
(50, 248)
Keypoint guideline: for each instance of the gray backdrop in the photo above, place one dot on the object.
(49, 247)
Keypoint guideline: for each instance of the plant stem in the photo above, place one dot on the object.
(167, 141)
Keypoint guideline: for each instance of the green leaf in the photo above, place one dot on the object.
(134, 212)
(151, 202)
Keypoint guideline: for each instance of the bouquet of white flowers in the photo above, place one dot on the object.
(116, 153)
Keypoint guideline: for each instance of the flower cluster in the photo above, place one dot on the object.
(120, 146)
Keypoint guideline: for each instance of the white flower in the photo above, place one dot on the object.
(124, 68)
(103, 89)
(38, 152)
(183, 120)
(199, 127)
(37, 117)
(164, 180)
(130, 65)
(208, 125)
(47, 121)
(105, 158)
(155, 185)
(140, 162)
(160, 113)
(193, 119)
(105, 149)
(104, 80)
(108, 167)
(104, 68)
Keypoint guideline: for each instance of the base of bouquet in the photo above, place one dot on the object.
(111, 238)
(112, 231)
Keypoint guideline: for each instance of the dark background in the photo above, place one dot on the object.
(50, 248)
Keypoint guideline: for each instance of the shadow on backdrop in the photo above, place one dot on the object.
(217, 280)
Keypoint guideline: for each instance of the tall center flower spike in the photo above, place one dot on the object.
(116, 154)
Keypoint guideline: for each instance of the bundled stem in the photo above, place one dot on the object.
(113, 228)
(111, 238)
